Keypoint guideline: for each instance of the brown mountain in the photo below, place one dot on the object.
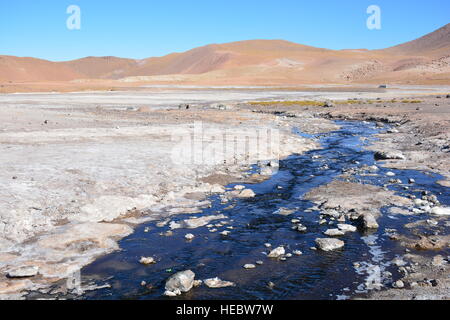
(254, 62)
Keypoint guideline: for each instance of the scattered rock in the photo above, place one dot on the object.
(369, 221)
(147, 260)
(197, 283)
(217, 283)
(247, 193)
(328, 244)
(389, 155)
(297, 252)
(180, 282)
(189, 237)
(249, 266)
(23, 272)
(399, 284)
(277, 252)
(440, 211)
(334, 233)
(346, 227)
(300, 228)
(285, 211)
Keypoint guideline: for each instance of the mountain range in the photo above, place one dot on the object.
(257, 62)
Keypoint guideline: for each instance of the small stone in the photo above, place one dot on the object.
(399, 284)
(390, 174)
(189, 237)
(277, 253)
(239, 188)
(284, 211)
(297, 252)
(147, 260)
(225, 233)
(334, 233)
(217, 283)
(260, 263)
(289, 255)
(411, 181)
(300, 228)
(347, 227)
(172, 293)
(249, 266)
(23, 272)
(389, 155)
(197, 283)
(267, 245)
(247, 193)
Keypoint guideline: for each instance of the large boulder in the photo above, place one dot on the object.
(180, 282)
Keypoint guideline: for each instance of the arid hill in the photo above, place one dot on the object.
(258, 62)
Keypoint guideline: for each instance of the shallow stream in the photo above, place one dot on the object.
(313, 275)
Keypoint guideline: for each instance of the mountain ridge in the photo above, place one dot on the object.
(277, 61)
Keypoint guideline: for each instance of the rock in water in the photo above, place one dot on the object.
(180, 282)
(217, 283)
(247, 193)
(329, 244)
(189, 237)
(347, 227)
(440, 211)
(23, 272)
(369, 221)
(147, 260)
(277, 252)
(389, 155)
(334, 233)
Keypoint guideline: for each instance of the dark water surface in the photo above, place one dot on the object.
(313, 275)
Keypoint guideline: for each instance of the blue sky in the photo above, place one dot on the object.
(144, 28)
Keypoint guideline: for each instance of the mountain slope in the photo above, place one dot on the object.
(100, 67)
(16, 69)
(435, 44)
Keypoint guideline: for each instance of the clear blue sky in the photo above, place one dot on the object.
(144, 28)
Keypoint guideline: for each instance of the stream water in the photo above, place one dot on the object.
(313, 275)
